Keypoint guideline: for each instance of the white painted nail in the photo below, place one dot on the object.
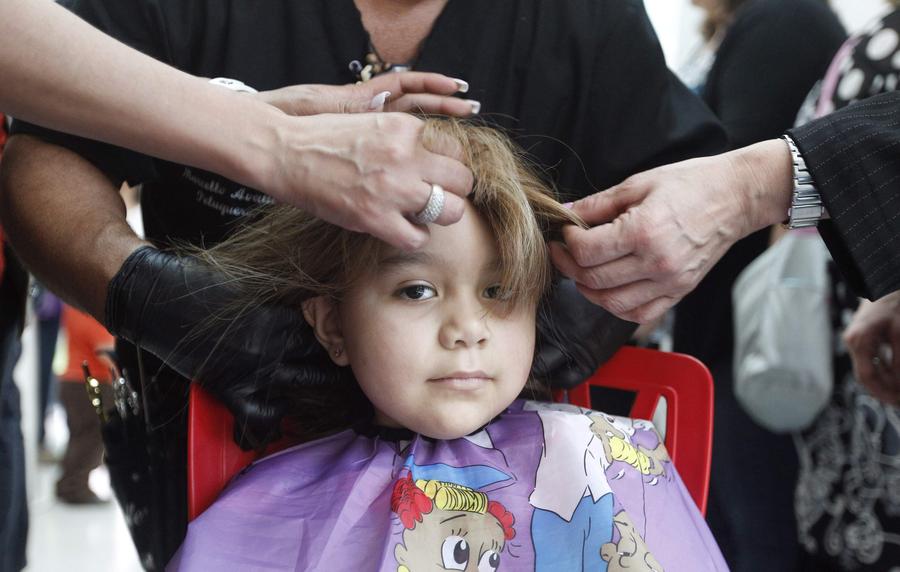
(377, 103)
(462, 85)
(476, 106)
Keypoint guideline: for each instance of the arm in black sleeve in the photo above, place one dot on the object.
(771, 57)
(854, 158)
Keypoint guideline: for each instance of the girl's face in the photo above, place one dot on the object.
(427, 336)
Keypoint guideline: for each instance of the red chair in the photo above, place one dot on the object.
(688, 388)
(213, 458)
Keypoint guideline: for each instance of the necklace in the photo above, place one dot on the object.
(375, 65)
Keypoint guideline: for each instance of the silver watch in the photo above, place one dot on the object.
(807, 208)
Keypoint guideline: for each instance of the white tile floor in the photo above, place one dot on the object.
(75, 538)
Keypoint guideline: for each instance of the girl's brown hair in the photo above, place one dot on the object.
(287, 256)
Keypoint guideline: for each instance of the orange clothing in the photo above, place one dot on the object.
(86, 336)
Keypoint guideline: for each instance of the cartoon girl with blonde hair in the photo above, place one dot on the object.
(461, 524)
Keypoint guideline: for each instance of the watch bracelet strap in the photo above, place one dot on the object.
(807, 208)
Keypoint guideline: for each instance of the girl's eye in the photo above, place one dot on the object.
(417, 292)
(496, 292)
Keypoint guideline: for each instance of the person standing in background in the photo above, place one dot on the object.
(771, 54)
(86, 339)
(48, 311)
(846, 499)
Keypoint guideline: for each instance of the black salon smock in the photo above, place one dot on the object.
(581, 84)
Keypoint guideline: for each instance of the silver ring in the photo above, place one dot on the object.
(433, 208)
(876, 361)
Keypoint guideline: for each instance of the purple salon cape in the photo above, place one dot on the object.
(544, 487)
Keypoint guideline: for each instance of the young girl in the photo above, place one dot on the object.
(424, 458)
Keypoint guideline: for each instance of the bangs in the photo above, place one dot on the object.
(519, 207)
(287, 255)
(523, 257)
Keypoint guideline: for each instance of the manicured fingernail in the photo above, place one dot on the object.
(476, 106)
(569, 205)
(377, 103)
(462, 86)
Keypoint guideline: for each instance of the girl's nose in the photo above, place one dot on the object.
(465, 325)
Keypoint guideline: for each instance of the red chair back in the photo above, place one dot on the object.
(688, 388)
(213, 457)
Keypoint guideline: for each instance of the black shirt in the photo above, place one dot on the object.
(581, 84)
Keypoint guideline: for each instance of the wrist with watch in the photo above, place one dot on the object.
(807, 208)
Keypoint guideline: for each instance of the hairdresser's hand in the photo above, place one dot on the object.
(575, 337)
(175, 307)
(661, 231)
(873, 338)
(414, 92)
(368, 172)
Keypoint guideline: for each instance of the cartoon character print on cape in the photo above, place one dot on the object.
(541, 487)
(460, 524)
(498, 461)
(578, 521)
(447, 514)
(630, 552)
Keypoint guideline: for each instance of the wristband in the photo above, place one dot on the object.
(806, 208)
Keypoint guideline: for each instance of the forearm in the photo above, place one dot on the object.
(61, 72)
(762, 175)
(65, 219)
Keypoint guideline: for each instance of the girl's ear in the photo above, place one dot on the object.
(321, 313)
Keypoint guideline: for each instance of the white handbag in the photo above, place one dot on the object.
(783, 335)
